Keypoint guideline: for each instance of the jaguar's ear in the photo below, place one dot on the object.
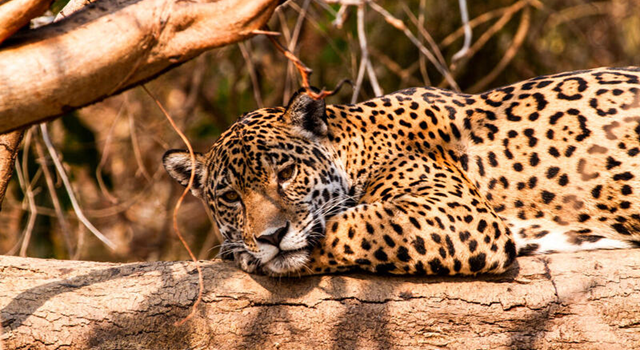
(177, 162)
(307, 113)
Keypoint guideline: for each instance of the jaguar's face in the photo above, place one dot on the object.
(271, 181)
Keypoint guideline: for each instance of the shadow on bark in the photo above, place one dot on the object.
(358, 315)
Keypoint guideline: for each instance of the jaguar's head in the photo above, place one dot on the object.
(271, 181)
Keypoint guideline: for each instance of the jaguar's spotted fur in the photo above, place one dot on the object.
(428, 181)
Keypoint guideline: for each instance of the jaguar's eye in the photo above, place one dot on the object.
(286, 173)
(231, 196)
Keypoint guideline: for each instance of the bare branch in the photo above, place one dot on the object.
(398, 24)
(364, 54)
(15, 14)
(421, 59)
(33, 213)
(62, 221)
(364, 49)
(291, 47)
(467, 31)
(72, 63)
(65, 180)
(186, 190)
(105, 155)
(136, 149)
(518, 39)
(9, 143)
(252, 73)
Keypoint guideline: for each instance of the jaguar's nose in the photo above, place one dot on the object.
(275, 237)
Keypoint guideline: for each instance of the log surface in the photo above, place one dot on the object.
(587, 300)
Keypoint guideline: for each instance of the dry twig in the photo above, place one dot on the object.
(179, 203)
(33, 212)
(425, 34)
(305, 72)
(62, 221)
(246, 54)
(421, 59)
(518, 39)
(464, 14)
(67, 184)
(365, 63)
(105, 155)
(136, 149)
(398, 24)
(293, 42)
(405, 74)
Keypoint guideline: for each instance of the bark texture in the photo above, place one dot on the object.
(15, 14)
(109, 46)
(587, 300)
(9, 143)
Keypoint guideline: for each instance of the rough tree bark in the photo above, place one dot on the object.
(13, 16)
(101, 50)
(588, 300)
(110, 46)
(9, 143)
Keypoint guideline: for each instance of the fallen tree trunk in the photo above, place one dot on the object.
(587, 300)
(109, 46)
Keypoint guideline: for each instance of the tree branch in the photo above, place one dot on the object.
(9, 143)
(109, 46)
(16, 14)
(587, 300)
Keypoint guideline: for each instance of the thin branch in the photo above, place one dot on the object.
(321, 30)
(136, 149)
(33, 213)
(105, 155)
(62, 221)
(398, 24)
(425, 34)
(485, 17)
(293, 43)
(264, 32)
(286, 34)
(80, 244)
(365, 61)
(26, 147)
(67, 185)
(496, 27)
(9, 146)
(467, 31)
(179, 203)
(489, 33)
(341, 16)
(405, 74)
(518, 39)
(252, 73)
(347, 2)
(305, 72)
(421, 59)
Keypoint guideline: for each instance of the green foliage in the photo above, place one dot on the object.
(58, 5)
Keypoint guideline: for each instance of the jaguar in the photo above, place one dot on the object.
(427, 181)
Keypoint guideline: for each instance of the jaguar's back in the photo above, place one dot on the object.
(429, 181)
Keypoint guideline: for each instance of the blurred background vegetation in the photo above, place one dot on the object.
(112, 150)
